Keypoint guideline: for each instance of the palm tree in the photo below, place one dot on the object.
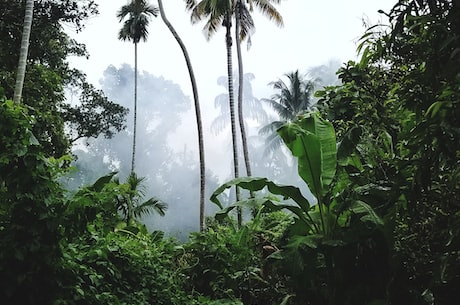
(24, 50)
(219, 13)
(243, 29)
(291, 100)
(197, 111)
(253, 106)
(130, 204)
(135, 29)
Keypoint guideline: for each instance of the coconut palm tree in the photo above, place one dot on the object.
(253, 106)
(291, 99)
(135, 29)
(24, 50)
(197, 111)
(219, 13)
(244, 27)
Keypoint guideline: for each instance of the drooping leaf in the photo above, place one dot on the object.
(101, 182)
(254, 184)
(301, 209)
(367, 212)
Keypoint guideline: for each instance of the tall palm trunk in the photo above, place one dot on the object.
(29, 11)
(240, 89)
(228, 38)
(133, 159)
(197, 113)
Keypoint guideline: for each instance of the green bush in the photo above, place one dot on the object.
(31, 202)
(121, 268)
(224, 262)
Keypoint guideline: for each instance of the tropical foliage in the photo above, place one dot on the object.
(292, 98)
(380, 154)
(326, 237)
(49, 75)
(131, 206)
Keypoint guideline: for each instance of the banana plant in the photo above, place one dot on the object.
(321, 163)
(330, 240)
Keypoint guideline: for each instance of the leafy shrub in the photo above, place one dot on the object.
(226, 262)
(31, 203)
(121, 268)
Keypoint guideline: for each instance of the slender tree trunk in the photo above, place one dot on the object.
(29, 11)
(135, 110)
(228, 37)
(240, 89)
(197, 113)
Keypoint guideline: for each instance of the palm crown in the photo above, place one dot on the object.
(131, 204)
(135, 27)
(216, 12)
(291, 99)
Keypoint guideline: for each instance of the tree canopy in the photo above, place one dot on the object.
(49, 74)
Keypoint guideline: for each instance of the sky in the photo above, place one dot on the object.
(314, 32)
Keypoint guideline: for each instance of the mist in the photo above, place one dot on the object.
(167, 153)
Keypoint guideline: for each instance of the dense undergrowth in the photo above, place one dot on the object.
(381, 155)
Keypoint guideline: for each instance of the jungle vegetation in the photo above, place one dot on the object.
(379, 152)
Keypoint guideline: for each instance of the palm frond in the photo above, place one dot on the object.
(135, 184)
(280, 106)
(152, 205)
(247, 26)
(272, 143)
(220, 123)
(190, 4)
(267, 9)
(213, 10)
(212, 26)
(271, 127)
(291, 99)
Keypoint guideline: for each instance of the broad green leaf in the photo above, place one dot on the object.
(311, 241)
(301, 210)
(312, 140)
(367, 212)
(434, 108)
(254, 184)
(249, 203)
(101, 182)
(33, 140)
(347, 145)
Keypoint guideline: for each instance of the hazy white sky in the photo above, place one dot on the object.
(314, 32)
